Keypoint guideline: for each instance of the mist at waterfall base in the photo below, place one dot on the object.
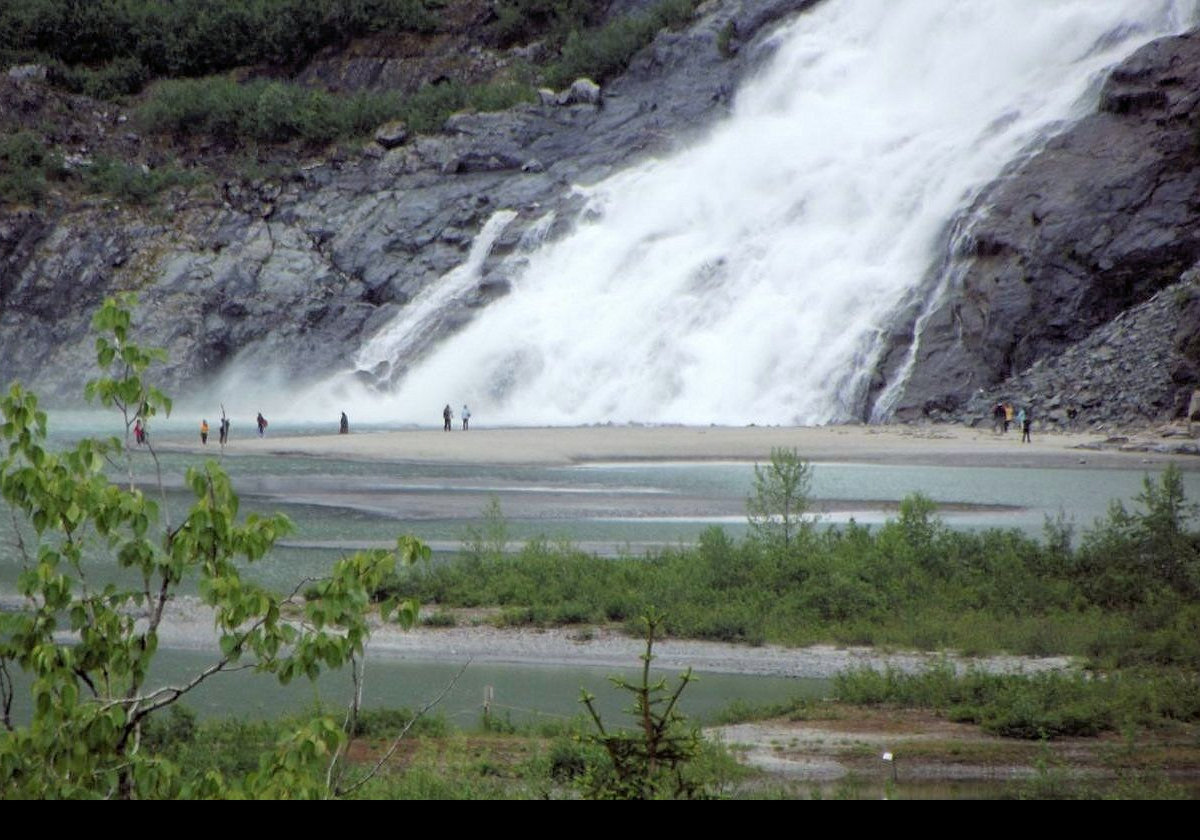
(750, 278)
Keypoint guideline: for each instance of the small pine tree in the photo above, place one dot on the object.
(650, 761)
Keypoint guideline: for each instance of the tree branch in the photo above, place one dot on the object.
(396, 743)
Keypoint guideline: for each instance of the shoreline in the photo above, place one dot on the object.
(189, 626)
(933, 445)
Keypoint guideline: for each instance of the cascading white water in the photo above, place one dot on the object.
(747, 279)
(412, 327)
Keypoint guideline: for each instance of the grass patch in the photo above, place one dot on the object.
(1037, 707)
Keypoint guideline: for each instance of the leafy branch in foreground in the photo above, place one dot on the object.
(87, 644)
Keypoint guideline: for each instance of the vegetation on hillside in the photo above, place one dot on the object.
(220, 77)
(106, 48)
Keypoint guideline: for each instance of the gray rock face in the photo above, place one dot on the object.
(1133, 371)
(1098, 221)
(27, 72)
(296, 274)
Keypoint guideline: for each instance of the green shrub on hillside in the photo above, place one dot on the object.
(25, 164)
(521, 21)
(130, 182)
(278, 112)
(603, 52)
(131, 41)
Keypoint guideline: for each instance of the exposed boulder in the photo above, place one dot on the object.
(581, 92)
(27, 72)
(1133, 371)
(391, 134)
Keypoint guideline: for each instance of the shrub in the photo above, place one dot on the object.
(130, 182)
(602, 52)
(25, 162)
(132, 41)
(520, 21)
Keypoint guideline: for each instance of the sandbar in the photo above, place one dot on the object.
(947, 445)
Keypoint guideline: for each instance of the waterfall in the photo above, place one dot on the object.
(423, 316)
(748, 278)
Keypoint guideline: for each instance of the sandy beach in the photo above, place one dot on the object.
(899, 444)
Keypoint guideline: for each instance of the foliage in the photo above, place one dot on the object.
(1134, 559)
(912, 582)
(1052, 780)
(603, 52)
(725, 38)
(111, 47)
(1038, 706)
(650, 762)
(521, 21)
(25, 165)
(777, 508)
(132, 183)
(28, 165)
(120, 77)
(87, 644)
(278, 112)
(262, 111)
(489, 540)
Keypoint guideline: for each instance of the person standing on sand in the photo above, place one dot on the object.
(466, 416)
(262, 424)
(344, 428)
(204, 432)
(997, 417)
(139, 432)
(223, 433)
(1026, 422)
(1008, 415)
(447, 415)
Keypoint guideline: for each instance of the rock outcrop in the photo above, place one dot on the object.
(1097, 222)
(1134, 371)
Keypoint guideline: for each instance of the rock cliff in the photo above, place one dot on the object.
(1090, 226)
